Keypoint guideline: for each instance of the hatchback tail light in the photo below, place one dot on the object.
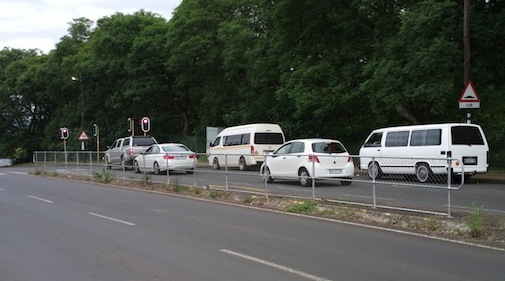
(313, 158)
(168, 157)
(192, 156)
(349, 159)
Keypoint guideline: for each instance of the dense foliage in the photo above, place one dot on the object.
(319, 68)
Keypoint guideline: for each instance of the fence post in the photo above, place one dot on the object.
(449, 178)
(265, 179)
(91, 162)
(226, 169)
(313, 177)
(374, 176)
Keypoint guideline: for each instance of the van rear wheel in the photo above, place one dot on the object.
(241, 164)
(423, 172)
(215, 164)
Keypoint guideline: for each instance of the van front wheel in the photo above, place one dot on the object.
(374, 170)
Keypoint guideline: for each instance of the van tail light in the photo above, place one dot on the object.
(130, 151)
(449, 154)
(252, 149)
(313, 158)
(168, 157)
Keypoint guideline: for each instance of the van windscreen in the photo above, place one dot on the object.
(268, 138)
(466, 135)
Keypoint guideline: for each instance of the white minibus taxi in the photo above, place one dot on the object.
(420, 150)
(245, 145)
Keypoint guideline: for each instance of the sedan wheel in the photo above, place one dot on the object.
(136, 167)
(156, 168)
(304, 177)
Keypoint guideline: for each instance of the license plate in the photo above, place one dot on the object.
(470, 160)
(180, 157)
(335, 171)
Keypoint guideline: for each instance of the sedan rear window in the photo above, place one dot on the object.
(174, 148)
(328, 147)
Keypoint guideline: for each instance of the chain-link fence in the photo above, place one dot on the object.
(409, 184)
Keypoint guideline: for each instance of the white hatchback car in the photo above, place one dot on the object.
(163, 157)
(324, 158)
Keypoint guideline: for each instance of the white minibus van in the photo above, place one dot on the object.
(245, 145)
(421, 149)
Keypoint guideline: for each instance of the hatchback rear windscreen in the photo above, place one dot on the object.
(466, 135)
(268, 138)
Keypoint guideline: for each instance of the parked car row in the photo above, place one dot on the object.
(420, 150)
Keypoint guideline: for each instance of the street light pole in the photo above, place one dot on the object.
(81, 98)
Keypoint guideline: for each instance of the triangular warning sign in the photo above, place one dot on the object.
(83, 136)
(469, 94)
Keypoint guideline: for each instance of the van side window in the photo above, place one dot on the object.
(397, 138)
(216, 141)
(246, 139)
(426, 137)
(374, 140)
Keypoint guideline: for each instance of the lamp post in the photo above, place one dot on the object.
(81, 98)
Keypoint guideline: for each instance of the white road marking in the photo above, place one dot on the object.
(274, 265)
(1, 189)
(112, 219)
(40, 199)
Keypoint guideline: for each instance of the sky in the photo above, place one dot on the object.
(39, 24)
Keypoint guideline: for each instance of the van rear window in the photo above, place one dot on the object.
(268, 138)
(466, 135)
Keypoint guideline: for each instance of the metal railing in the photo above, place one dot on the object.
(408, 188)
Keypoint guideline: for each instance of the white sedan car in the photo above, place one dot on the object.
(164, 157)
(307, 159)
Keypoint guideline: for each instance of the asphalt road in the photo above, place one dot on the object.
(53, 229)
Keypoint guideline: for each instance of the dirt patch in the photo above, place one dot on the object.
(484, 229)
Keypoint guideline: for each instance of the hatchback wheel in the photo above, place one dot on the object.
(267, 175)
(304, 177)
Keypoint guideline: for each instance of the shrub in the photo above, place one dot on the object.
(303, 207)
(474, 221)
